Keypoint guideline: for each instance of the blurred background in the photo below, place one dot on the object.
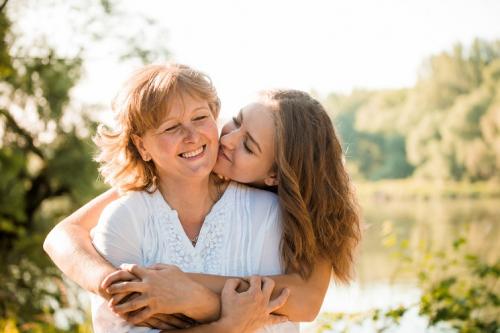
(413, 88)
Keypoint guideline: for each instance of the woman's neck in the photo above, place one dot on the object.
(192, 199)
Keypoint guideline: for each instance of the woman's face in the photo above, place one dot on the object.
(185, 144)
(246, 147)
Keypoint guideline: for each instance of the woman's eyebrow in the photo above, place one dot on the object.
(250, 136)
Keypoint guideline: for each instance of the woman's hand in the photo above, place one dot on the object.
(115, 277)
(252, 309)
(163, 289)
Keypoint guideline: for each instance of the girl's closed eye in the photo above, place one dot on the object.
(236, 121)
(247, 148)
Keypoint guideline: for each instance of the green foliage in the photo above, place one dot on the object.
(47, 169)
(459, 291)
(377, 155)
(446, 127)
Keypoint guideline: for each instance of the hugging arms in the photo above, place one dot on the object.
(161, 154)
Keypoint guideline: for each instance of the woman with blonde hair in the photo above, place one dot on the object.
(284, 142)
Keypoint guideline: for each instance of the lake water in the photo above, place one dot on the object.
(379, 283)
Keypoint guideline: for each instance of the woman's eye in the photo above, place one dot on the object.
(201, 117)
(171, 128)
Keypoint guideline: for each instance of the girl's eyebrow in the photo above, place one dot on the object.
(250, 136)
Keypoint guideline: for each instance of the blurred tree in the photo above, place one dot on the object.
(45, 155)
(365, 121)
(446, 127)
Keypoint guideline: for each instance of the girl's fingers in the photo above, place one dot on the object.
(134, 269)
(116, 276)
(255, 284)
(174, 321)
(230, 287)
(132, 305)
(267, 287)
(277, 319)
(118, 298)
(154, 322)
(158, 266)
(140, 316)
(126, 287)
(279, 301)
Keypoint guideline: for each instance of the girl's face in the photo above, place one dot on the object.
(185, 144)
(246, 147)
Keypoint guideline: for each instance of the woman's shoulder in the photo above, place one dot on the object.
(258, 197)
(260, 205)
(133, 205)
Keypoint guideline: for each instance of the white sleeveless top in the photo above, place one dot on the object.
(239, 237)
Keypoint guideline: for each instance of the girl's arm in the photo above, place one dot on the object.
(247, 311)
(69, 245)
(306, 295)
(304, 302)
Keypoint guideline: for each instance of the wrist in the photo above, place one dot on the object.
(224, 325)
(205, 304)
(100, 275)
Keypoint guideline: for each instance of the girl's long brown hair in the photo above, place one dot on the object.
(320, 212)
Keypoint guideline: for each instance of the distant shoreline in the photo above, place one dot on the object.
(413, 189)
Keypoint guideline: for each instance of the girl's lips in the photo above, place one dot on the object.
(223, 154)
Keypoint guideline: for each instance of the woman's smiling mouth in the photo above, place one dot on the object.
(193, 153)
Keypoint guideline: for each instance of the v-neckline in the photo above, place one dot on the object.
(219, 205)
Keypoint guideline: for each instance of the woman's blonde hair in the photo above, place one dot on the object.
(142, 104)
(320, 212)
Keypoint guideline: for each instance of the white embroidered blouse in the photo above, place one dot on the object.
(239, 237)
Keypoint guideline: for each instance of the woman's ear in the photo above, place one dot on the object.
(271, 180)
(139, 144)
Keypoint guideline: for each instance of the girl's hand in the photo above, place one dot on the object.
(252, 309)
(116, 277)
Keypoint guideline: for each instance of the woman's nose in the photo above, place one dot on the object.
(191, 135)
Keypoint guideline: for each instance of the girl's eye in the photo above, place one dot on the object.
(245, 145)
(236, 121)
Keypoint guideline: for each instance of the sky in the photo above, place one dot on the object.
(322, 46)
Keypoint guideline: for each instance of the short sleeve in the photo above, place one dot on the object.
(117, 236)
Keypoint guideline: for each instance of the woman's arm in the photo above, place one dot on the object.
(69, 245)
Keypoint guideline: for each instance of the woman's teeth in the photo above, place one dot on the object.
(193, 153)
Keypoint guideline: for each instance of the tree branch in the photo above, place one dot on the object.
(2, 6)
(22, 132)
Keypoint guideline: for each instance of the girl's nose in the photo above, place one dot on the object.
(230, 139)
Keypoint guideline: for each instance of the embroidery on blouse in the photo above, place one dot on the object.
(169, 244)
